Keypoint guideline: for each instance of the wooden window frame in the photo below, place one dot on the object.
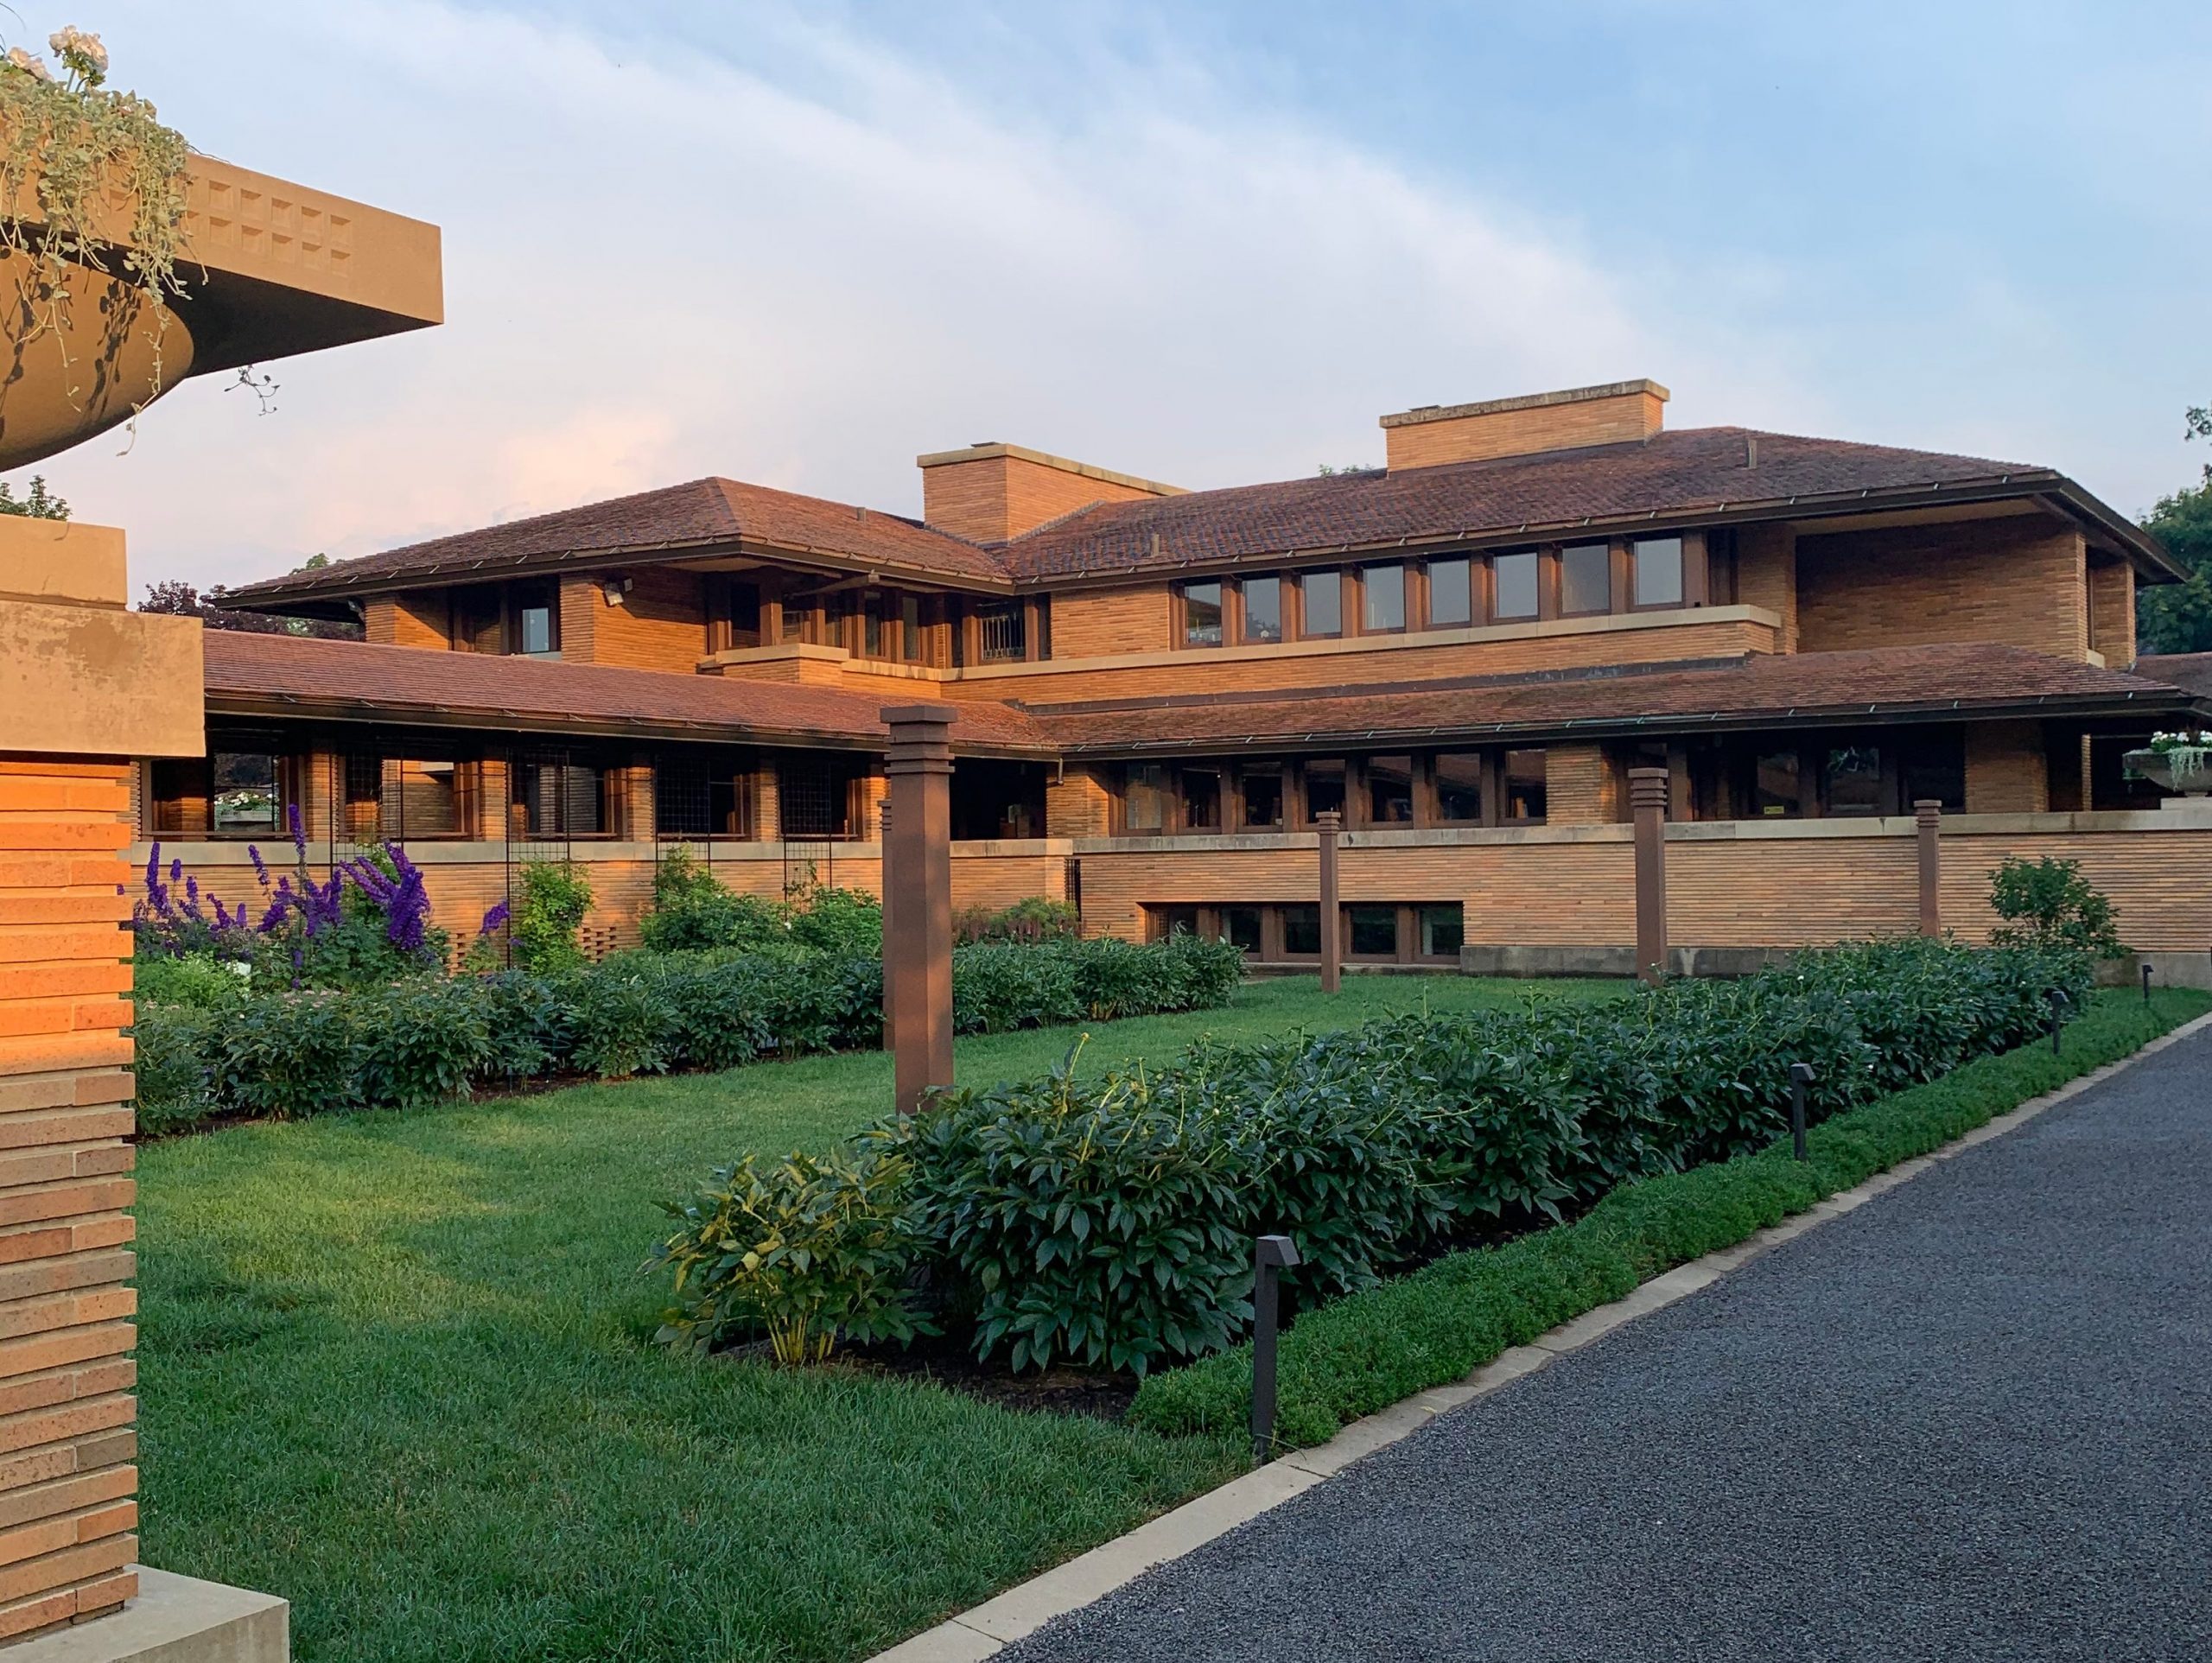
(1405, 624)
(1180, 614)
(1283, 586)
(1474, 617)
(1611, 550)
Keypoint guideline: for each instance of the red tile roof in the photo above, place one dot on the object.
(2192, 670)
(699, 518)
(1672, 475)
(1800, 689)
(295, 677)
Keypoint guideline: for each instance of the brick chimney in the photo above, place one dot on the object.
(1616, 412)
(990, 493)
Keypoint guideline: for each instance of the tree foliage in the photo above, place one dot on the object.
(2177, 617)
(178, 599)
(37, 504)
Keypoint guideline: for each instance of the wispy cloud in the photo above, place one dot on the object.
(806, 257)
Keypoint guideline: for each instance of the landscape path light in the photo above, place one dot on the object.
(1271, 1256)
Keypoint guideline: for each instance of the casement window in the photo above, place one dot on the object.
(1442, 927)
(1262, 598)
(1370, 931)
(1001, 635)
(1324, 781)
(1514, 586)
(910, 629)
(1382, 599)
(1241, 927)
(1851, 781)
(1389, 790)
(537, 620)
(1525, 797)
(1458, 779)
(1451, 593)
(1162, 922)
(1321, 605)
(1776, 787)
(1146, 799)
(1657, 572)
(705, 796)
(1202, 614)
(246, 796)
(1933, 766)
(1260, 795)
(478, 620)
(736, 616)
(1586, 579)
(1302, 931)
(1201, 797)
(554, 800)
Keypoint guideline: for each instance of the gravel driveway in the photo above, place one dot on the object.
(1971, 1420)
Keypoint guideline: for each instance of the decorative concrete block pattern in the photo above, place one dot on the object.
(67, 1444)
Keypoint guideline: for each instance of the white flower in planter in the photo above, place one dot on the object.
(80, 51)
(30, 65)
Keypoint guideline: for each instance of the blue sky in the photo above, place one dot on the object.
(1204, 243)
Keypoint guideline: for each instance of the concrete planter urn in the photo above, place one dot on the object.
(2186, 769)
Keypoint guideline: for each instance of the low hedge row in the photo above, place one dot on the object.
(1435, 1326)
(1109, 1222)
(414, 1044)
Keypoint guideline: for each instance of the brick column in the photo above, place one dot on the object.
(1928, 825)
(84, 686)
(1328, 822)
(1647, 797)
(917, 883)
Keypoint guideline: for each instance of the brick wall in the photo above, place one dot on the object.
(1388, 660)
(991, 497)
(1581, 787)
(661, 623)
(1077, 804)
(2018, 579)
(1766, 575)
(2112, 611)
(2004, 768)
(418, 620)
(67, 1442)
(1093, 623)
(1622, 417)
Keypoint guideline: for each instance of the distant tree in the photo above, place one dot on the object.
(37, 506)
(1327, 472)
(182, 599)
(2177, 617)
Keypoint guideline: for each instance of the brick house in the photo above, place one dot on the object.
(1463, 652)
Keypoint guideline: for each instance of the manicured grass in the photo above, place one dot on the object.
(395, 1368)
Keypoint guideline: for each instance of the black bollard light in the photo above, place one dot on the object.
(1271, 1256)
(2146, 984)
(1801, 1076)
(2058, 1001)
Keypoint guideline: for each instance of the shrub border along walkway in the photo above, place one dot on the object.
(1735, 1210)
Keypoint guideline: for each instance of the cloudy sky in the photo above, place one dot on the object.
(1205, 243)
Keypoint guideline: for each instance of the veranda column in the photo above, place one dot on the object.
(1647, 797)
(1328, 822)
(84, 686)
(918, 883)
(1928, 825)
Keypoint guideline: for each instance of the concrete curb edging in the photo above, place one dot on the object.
(987, 1628)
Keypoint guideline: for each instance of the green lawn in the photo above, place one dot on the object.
(394, 1369)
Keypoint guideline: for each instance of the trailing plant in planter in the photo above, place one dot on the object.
(70, 150)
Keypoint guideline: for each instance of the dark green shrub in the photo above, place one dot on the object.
(290, 1054)
(720, 1011)
(200, 980)
(421, 1044)
(1036, 919)
(1097, 1228)
(2049, 904)
(841, 923)
(998, 987)
(693, 910)
(173, 1064)
(555, 897)
(526, 1022)
(618, 1024)
(810, 1250)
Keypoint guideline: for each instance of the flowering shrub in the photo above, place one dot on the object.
(369, 922)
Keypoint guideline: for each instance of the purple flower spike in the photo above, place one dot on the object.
(299, 830)
(176, 871)
(260, 865)
(495, 918)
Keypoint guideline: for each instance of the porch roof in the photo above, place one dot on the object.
(1924, 683)
(291, 677)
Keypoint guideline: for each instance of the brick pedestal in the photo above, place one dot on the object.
(84, 686)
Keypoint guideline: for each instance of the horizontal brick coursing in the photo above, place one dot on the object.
(67, 1488)
(661, 623)
(2019, 581)
(1622, 418)
(1093, 623)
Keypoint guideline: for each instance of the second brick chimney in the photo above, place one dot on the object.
(990, 493)
(1618, 412)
